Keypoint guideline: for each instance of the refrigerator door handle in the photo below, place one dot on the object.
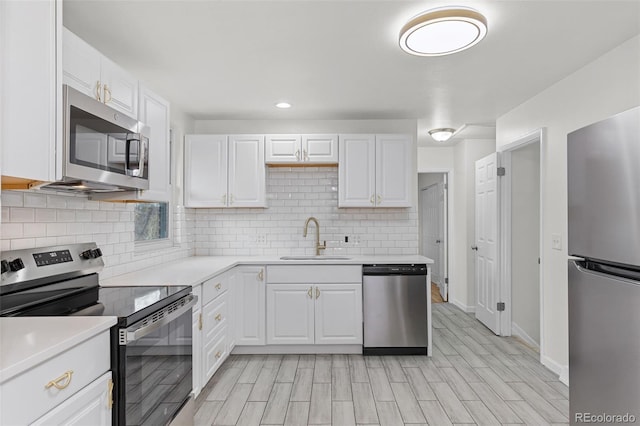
(576, 258)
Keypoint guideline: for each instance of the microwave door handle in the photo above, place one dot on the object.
(142, 155)
(127, 161)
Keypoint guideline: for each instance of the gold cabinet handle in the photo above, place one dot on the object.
(200, 321)
(218, 317)
(231, 199)
(61, 382)
(218, 354)
(298, 155)
(379, 197)
(107, 94)
(372, 199)
(98, 87)
(304, 155)
(317, 292)
(224, 199)
(218, 286)
(110, 394)
(261, 275)
(310, 292)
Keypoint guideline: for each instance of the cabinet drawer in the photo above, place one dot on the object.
(215, 352)
(215, 316)
(87, 361)
(314, 274)
(214, 287)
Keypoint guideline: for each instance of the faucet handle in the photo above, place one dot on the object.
(322, 246)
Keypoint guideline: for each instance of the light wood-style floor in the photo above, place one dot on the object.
(436, 297)
(474, 377)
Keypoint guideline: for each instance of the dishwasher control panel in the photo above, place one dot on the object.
(417, 269)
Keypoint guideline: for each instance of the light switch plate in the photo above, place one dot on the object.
(556, 241)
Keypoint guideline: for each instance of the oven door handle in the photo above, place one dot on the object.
(135, 332)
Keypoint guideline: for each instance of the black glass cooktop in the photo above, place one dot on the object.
(83, 296)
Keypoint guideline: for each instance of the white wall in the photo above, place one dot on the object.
(435, 159)
(606, 86)
(525, 242)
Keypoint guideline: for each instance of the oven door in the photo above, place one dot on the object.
(153, 366)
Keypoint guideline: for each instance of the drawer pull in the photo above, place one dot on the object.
(200, 321)
(218, 317)
(65, 378)
(261, 275)
(218, 286)
(317, 292)
(310, 292)
(218, 354)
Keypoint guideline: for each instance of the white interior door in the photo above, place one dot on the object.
(443, 285)
(430, 233)
(486, 246)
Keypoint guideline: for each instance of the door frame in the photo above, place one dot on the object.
(536, 136)
(448, 229)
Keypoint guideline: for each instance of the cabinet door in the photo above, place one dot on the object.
(196, 351)
(214, 332)
(213, 354)
(250, 305)
(80, 65)
(231, 295)
(338, 313)
(89, 406)
(322, 149)
(205, 174)
(247, 181)
(31, 89)
(154, 112)
(119, 88)
(282, 149)
(290, 314)
(356, 171)
(393, 170)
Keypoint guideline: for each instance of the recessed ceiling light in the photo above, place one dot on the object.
(283, 105)
(443, 31)
(442, 134)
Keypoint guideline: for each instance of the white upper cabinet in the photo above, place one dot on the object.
(247, 173)
(393, 170)
(31, 91)
(87, 70)
(223, 171)
(357, 171)
(374, 171)
(155, 112)
(205, 171)
(302, 149)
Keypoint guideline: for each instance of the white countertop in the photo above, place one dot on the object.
(194, 270)
(27, 341)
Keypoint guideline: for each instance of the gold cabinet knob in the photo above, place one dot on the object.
(218, 354)
(218, 317)
(261, 275)
(218, 286)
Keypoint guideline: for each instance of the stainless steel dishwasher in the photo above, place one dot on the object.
(395, 309)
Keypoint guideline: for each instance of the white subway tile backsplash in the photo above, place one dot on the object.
(35, 200)
(11, 230)
(12, 199)
(23, 243)
(35, 230)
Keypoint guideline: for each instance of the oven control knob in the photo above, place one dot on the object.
(5, 266)
(87, 254)
(16, 265)
(95, 253)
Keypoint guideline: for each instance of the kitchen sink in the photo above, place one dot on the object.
(315, 258)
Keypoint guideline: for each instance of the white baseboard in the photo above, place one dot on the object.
(561, 370)
(297, 349)
(467, 309)
(516, 330)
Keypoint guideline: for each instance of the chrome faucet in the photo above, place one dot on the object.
(304, 234)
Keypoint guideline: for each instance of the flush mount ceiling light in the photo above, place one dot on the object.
(283, 105)
(442, 135)
(443, 31)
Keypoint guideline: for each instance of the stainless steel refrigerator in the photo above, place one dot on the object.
(604, 269)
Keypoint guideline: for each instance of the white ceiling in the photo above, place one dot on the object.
(341, 60)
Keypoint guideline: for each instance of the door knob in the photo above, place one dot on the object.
(474, 248)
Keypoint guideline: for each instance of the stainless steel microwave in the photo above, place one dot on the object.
(103, 149)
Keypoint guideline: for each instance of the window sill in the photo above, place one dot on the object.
(144, 247)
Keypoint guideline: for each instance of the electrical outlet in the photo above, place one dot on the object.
(261, 239)
(556, 241)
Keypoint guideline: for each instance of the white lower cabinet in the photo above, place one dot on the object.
(314, 304)
(250, 305)
(290, 316)
(90, 406)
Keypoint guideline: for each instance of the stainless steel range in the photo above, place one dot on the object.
(151, 357)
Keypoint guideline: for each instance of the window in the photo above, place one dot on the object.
(151, 221)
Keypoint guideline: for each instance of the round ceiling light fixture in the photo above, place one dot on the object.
(443, 31)
(283, 105)
(442, 134)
